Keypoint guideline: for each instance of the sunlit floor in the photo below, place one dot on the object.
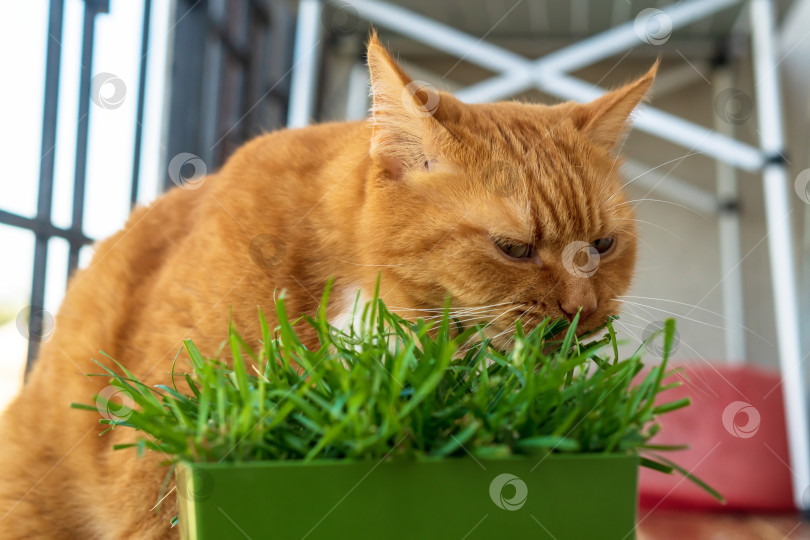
(676, 525)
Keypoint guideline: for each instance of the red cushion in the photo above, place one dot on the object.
(736, 429)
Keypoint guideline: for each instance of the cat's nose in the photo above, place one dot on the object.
(570, 308)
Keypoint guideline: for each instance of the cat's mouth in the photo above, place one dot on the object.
(501, 328)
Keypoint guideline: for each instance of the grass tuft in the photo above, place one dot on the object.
(391, 387)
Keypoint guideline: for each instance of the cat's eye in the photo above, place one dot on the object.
(603, 245)
(513, 249)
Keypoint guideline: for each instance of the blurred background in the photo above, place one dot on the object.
(100, 97)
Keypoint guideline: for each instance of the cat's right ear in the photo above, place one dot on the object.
(400, 113)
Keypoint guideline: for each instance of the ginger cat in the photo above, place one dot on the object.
(493, 204)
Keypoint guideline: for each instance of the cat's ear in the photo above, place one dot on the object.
(606, 119)
(400, 112)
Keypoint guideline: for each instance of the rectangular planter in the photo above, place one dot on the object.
(561, 497)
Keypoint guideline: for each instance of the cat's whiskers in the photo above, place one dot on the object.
(463, 347)
(685, 379)
(623, 299)
(658, 299)
(369, 265)
(681, 342)
(400, 308)
(454, 314)
(459, 320)
(511, 328)
(494, 338)
(505, 312)
(638, 238)
(629, 312)
(460, 314)
(660, 201)
(526, 324)
(647, 172)
(650, 223)
(698, 321)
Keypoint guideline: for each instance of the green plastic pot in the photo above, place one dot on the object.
(559, 497)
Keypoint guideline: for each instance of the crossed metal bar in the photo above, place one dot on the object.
(548, 73)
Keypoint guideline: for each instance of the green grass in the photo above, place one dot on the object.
(393, 388)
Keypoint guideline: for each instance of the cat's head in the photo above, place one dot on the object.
(513, 209)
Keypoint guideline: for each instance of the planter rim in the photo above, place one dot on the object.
(346, 462)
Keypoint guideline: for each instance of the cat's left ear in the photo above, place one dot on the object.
(401, 112)
(606, 119)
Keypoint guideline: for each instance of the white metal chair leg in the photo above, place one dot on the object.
(303, 85)
(728, 223)
(780, 241)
